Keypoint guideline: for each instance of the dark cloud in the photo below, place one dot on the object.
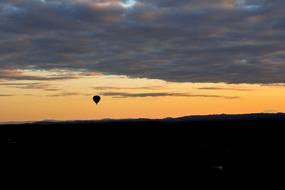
(108, 88)
(274, 85)
(225, 88)
(229, 41)
(15, 74)
(29, 85)
(160, 94)
(5, 95)
(63, 94)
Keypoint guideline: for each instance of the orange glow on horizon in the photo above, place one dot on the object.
(72, 99)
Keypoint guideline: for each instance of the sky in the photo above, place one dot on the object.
(145, 58)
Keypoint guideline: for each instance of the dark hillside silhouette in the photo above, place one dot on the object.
(213, 146)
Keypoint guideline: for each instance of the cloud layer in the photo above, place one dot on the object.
(231, 41)
(161, 94)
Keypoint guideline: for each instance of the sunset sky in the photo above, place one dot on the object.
(145, 58)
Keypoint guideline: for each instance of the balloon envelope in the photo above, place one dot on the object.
(96, 99)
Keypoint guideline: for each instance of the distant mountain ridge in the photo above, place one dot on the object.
(252, 116)
(194, 118)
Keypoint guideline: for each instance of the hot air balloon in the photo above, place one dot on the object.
(96, 99)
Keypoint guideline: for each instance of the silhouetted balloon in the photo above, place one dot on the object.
(96, 99)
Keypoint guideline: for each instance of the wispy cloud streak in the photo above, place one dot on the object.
(161, 94)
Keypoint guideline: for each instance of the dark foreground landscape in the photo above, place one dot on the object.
(221, 146)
